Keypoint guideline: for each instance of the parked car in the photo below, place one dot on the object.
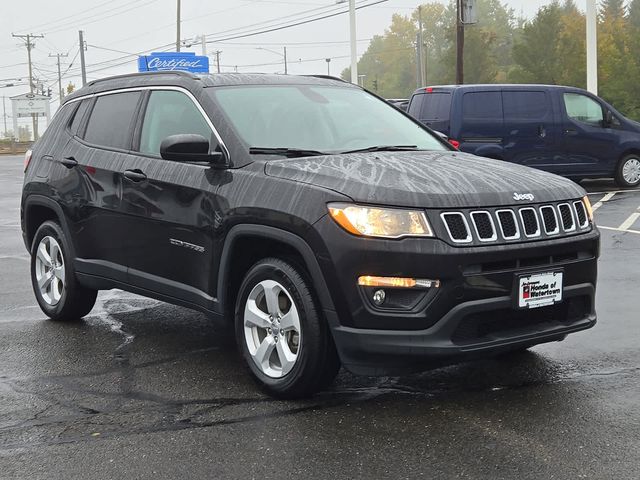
(401, 103)
(563, 130)
(324, 225)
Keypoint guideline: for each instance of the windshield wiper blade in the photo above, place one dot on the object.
(384, 148)
(287, 152)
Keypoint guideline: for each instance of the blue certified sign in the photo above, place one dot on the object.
(162, 61)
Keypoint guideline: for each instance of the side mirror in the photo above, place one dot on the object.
(608, 119)
(190, 148)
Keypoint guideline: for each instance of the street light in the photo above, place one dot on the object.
(278, 53)
(352, 39)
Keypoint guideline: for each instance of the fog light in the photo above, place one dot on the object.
(378, 297)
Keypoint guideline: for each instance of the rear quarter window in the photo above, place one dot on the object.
(111, 120)
(436, 106)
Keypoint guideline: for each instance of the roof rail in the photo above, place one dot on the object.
(327, 77)
(144, 74)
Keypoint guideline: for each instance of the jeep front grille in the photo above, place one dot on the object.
(515, 223)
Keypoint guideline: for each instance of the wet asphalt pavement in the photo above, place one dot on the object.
(143, 389)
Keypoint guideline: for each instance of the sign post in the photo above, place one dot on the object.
(29, 105)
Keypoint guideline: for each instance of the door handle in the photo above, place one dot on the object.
(135, 175)
(69, 162)
(570, 131)
(542, 132)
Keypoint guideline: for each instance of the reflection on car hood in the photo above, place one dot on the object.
(426, 179)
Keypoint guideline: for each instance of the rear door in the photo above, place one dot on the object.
(170, 207)
(590, 146)
(102, 133)
(481, 128)
(433, 108)
(531, 135)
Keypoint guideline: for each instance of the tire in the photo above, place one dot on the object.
(628, 171)
(292, 359)
(60, 297)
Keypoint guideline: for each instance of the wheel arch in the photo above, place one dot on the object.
(273, 242)
(37, 210)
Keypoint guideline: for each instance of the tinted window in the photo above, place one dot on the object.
(519, 106)
(583, 109)
(436, 106)
(81, 110)
(482, 105)
(317, 117)
(111, 120)
(170, 113)
(414, 106)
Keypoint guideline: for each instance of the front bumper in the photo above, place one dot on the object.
(471, 315)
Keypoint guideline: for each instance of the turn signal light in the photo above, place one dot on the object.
(397, 282)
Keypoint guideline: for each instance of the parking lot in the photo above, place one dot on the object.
(142, 389)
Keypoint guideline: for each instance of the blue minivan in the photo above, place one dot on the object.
(563, 130)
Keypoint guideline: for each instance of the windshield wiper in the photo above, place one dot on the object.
(287, 152)
(384, 148)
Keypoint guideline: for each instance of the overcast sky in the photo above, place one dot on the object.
(116, 27)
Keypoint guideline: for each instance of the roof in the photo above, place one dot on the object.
(496, 86)
(186, 79)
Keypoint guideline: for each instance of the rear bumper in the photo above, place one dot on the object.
(465, 333)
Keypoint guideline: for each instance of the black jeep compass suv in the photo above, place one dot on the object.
(326, 225)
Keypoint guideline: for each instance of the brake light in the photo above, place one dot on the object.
(429, 89)
(27, 159)
(454, 143)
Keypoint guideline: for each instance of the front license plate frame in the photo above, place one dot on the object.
(539, 289)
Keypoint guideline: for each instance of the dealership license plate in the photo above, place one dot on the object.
(539, 289)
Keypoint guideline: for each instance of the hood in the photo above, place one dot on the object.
(426, 179)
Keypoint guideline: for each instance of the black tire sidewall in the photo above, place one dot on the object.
(298, 289)
(619, 178)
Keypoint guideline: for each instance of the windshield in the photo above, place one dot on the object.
(320, 118)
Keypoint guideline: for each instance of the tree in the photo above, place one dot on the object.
(70, 88)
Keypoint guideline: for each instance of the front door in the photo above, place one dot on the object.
(589, 143)
(170, 207)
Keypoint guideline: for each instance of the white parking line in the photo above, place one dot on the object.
(630, 221)
(618, 229)
(632, 190)
(606, 198)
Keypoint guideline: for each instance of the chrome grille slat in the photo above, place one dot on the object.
(526, 222)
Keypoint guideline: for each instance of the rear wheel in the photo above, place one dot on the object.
(57, 290)
(280, 333)
(628, 171)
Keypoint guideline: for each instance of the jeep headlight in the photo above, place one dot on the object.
(371, 221)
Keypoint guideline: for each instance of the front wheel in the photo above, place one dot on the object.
(57, 290)
(628, 171)
(281, 334)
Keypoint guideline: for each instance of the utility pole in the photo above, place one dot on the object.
(203, 40)
(58, 55)
(328, 60)
(419, 54)
(217, 54)
(83, 67)
(4, 115)
(459, 45)
(592, 47)
(285, 61)
(178, 26)
(27, 38)
(352, 33)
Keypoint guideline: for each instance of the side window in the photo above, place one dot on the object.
(81, 110)
(111, 120)
(482, 106)
(437, 106)
(170, 113)
(583, 109)
(522, 106)
(414, 106)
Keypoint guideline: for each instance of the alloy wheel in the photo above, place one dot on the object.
(272, 328)
(50, 270)
(631, 171)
